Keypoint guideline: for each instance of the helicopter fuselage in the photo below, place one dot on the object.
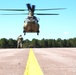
(31, 25)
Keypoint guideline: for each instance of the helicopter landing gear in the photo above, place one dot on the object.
(24, 32)
(37, 32)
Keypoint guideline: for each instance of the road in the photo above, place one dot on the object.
(53, 61)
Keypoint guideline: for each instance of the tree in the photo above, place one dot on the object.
(59, 42)
(49, 42)
(4, 43)
(34, 42)
(54, 44)
(26, 43)
(12, 43)
(43, 43)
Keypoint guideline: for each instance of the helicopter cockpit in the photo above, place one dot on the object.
(31, 19)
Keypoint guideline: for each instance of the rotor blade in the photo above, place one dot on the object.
(13, 10)
(33, 8)
(50, 9)
(15, 14)
(28, 6)
(34, 13)
(45, 14)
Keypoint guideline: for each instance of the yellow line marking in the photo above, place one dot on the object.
(32, 66)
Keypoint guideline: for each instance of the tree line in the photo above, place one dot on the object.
(43, 43)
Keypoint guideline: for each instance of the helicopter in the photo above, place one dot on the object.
(31, 22)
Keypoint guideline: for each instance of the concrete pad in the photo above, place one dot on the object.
(57, 61)
(53, 61)
(13, 61)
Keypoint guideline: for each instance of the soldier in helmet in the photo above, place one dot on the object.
(19, 41)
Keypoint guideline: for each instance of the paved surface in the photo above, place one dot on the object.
(57, 61)
(53, 61)
(13, 61)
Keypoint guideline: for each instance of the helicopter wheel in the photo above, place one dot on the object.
(24, 32)
(37, 32)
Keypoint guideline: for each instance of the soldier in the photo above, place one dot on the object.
(19, 41)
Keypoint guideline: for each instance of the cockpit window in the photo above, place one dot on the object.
(31, 19)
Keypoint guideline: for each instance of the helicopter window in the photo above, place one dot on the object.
(29, 17)
(33, 18)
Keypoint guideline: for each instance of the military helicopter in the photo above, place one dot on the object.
(31, 22)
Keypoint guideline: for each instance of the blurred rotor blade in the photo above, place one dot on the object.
(45, 14)
(50, 9)
(15, 14)
(13, 10)
(33, 8)
(28, 6)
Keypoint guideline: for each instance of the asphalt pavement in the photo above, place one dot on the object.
(53, 61)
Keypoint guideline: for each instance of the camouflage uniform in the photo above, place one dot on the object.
(19, 41)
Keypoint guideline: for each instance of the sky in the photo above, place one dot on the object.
(51, 27)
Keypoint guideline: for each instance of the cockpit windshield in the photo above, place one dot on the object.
(31, 19)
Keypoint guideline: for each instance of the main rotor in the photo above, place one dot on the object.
(31, 9)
